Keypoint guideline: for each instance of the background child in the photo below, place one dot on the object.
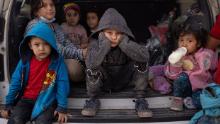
(113, 60)
(92, 20)
(44, 10)
(191, 72)
(78, 36)
(72, 28)
(39, 81)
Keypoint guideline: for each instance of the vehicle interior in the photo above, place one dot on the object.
(139, 14)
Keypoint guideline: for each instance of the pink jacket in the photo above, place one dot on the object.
(204, 63)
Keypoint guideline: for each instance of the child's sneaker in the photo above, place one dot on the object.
(91, 107)
(177, 104)
(141, 108)
(188, 103)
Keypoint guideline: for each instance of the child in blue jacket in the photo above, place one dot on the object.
(39, 86)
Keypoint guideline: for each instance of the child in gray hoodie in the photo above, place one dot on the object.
(113, 60)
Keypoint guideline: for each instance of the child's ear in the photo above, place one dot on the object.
(30, 46)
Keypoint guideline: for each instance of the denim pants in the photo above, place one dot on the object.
(182, 88)
(22, 113)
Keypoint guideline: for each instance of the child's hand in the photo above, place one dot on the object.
(84, 52)
(83, 45)
(187, 65)
(102, 36)
(124, 37)
(62, 117)
(5, 113)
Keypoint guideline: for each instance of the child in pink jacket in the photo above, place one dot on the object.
(190, 67)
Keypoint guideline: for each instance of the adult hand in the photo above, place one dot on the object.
(62, 117)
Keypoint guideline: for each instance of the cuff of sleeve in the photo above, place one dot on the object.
(61, 109)
(80, 56)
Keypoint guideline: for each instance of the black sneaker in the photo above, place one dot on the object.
(91, 107)
(141, 107)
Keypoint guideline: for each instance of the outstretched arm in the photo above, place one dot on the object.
(66, 48)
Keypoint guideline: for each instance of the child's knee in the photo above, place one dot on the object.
(157, 70)
(183, 76)
(161, 85)
(182, 81)
(75, 70)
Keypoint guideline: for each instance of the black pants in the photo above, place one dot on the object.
(22, 113)
(116, 78)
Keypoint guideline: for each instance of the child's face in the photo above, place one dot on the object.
(72, 17)
(47, 10)
(92, 20)
(40, 48)
(114, 36)
(189, 41)
(212, 43)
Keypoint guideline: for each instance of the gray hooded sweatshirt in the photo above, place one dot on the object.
(116, 61)
(100, 51)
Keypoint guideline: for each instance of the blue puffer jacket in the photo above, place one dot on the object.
(58, 87)
(210, 100)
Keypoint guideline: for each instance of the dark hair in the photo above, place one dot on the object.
(94, 10)
(197, 30)
(36, 5)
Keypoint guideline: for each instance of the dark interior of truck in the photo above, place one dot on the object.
(139, 14)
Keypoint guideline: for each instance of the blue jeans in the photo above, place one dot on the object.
(182, 88)
(22, 113)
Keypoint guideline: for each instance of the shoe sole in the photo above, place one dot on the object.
(176, 109)
(88, 113)
(145, 115)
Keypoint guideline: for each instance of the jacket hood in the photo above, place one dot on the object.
(210, 101)
(42, 31)
(113, 19)
(210, 97)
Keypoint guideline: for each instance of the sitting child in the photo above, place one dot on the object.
(189, 67)
(113, 61)
(92, 20)
(76, 32)
(45, 11)
(39, 86)
(78, 36)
